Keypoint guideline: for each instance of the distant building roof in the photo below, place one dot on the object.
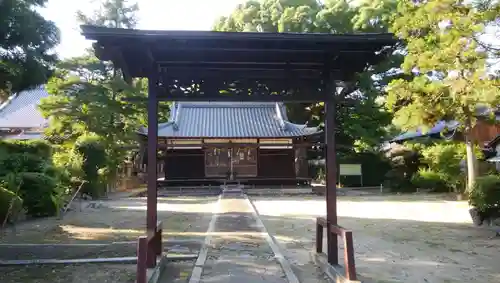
(24, 136)
(437, 129)
(493, 143)
(443, 125)
(21, 110)
(230, 120)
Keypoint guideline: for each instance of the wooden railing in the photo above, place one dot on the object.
(346, 235)
(148, 248)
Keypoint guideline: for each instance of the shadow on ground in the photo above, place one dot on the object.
(121, 221)
(386, 249)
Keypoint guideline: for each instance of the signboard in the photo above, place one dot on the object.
(350, 170)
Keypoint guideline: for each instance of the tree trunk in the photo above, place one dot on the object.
(471, 156)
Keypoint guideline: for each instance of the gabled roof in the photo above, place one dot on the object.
(230, 120)
(494, 142)
(21, 110)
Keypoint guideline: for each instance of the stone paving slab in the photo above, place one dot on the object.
(244, 255)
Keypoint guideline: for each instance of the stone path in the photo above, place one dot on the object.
(239, 249)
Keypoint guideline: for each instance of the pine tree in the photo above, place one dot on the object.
(451, 79)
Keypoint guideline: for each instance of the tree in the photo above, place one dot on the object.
(26, 45)
(450, 77)
(88, 96)
(360, 116)
(112, 14)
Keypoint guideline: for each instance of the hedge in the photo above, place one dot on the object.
(39, 148)
(39, 193)
(26, 168)
(485, 195)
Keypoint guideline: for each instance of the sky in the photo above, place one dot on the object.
(153, 14)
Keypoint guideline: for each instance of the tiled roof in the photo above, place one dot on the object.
(24, 136)
(481, 111)
(21, 110)
(438, 128)
(230, 120)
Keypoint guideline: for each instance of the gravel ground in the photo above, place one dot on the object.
(101, 222)
(410, 239)
(116, 220)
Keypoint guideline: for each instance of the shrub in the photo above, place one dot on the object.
(11, 205)
(38, 148)
(428, 179)
(93, 151)
(485, 194)
(404, 161)
(69, 161)
(397, 181)
(40, 193)
(445, 158)
(22, 162)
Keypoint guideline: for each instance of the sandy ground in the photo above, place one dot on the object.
(116, 220)
(123, 220)
(408, 239)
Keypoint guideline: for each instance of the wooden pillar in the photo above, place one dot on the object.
(152, 163)
(331, 172)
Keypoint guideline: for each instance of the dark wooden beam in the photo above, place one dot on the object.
(179, 57)
(236, 145)
(245, 49)
(278, 66)
(331, 166)
(120, 60)
(185, 73)
(152, 176)
(312, 97)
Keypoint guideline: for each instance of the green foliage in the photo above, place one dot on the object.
(40, 193)
(485, 194)
(92, 149)
(359, 113)
(88, 98)
(113, 14)
(428, 179)
(26, 170)
(22, 162)
(430, 165)
(405, 161)
(25, 156)
(10, 204)
(444, 158)
(26, 41)
(71, 162)
(374, 166)
(396, 180)
(449, 71)
(39, 148)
